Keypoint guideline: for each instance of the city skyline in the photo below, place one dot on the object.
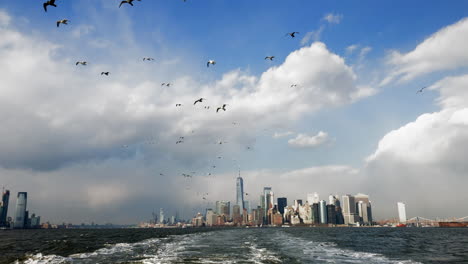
(366, 98)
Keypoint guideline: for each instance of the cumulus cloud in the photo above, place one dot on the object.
(444, 50)
(306, 141)
(425, 159)
(333, 18)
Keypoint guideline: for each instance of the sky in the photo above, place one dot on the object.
(335, 112)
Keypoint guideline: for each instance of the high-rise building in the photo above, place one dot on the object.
(323, 212)
(236, 214)
(349, 210)
(402, 212)
(332, 199)
(282, 203)
(331, 214)
(315, 213)
(240, 192)
(316, 198)
(247, 207)
(4, 207)
(161, 216)
(223, 208)
(266, 197)
(211, 218)
(20, 215)
(364, 210)
(310, 198)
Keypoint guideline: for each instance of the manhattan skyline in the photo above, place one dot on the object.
(339, 109)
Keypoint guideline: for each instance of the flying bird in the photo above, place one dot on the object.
(179, 141)
(130, 2)
(292, 34)
(207, 107)
(105, 73)
(49, 3)
(199, 101)
(221, 108)
(269, 58)
(166, 84)
(421, 90)
(178, 105)
(148, 59)
(212, 62)
(293, 85)
(84, 63)
(63, 21)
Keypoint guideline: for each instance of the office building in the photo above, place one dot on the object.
(211, 218)
(305, 213)
(310, 198)
(331, 214)
(323, 212)
(267, 199)
(223, 208)
(161, 216)
(20, 215)
(402, 212)
(236, 215)
(240, 192)
(282, 203)
(315, 213)
(247, 207)
(349, 210)
(4, 208)
(332, 199)
(364, 210)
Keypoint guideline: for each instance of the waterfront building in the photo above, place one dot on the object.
(364, 210)
(267, 199)
(20, 215)
(4, 208)
(295, 220)
(247, 207)
(332, 199)
(161, 216)
(323, 212)
(236, 215)
(211, 217)
(310, 198)
(277, 219)
(223, 208)
(198, 221)
(289, 212)
(315, 213)
(316, 198)
(173, 220)
(240, 192)
(402, 212)
(305, 213)
(349, 210)
(35, 221)
(331, 214)
(282, 203)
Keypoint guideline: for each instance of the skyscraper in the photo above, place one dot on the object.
(402, 212)
(161, 216)
(267, 200)
(4, 207)
(240, 192)
(20, 215)
(364, 210)
(349, 209)
(323, 212)
(282, 203)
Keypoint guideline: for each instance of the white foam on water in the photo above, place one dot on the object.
(327, 252)
(47, 259)
(260, 255)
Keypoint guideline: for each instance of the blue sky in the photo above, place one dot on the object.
(130, 106)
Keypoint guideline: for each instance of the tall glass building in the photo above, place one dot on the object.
(20, 216)
(282, 203)
(4, 207)
(323, 212)
(240, 192)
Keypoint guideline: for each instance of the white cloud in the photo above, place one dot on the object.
(364, 51)
(4, 18)
(425, 160)
(333, 18)
(282, 134)
(351, 48)
(306, 141)
(444, 50)
(312, 35)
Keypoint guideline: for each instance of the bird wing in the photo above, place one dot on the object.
(208, 64)
(58, 23)
(218, 109)
(121, 3)
(77, 63)
(45, 6)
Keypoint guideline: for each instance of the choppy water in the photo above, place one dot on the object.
(266, 245)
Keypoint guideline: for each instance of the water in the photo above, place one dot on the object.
(254, 245)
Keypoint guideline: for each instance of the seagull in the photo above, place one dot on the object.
(63, 21)
(293, 85)
(246, 194)
(421, 90)
(199, 101)
(269, 57)
(161, 174)
(105, 73)
(178, 105)
(84, 63)
(207, 107)
(166, 84)
(292, 34)
(127, 2)
(148, 59)
(49, 3)
(213, 166)
(221, 108)
(212, 62)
